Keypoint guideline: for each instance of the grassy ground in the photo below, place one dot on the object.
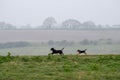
(72, 67)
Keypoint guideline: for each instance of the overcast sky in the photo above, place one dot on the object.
(21, 12)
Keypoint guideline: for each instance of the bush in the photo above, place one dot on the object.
(94, 66)
(24, 59)
(67, 68)
(6, 58)
(37, 59)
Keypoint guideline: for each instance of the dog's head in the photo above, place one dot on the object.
(78, 50)
(52, 49)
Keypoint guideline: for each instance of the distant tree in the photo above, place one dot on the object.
(89, 24)
(109, 41)
(116, 26)
(64, 42)
(99, 26)
(71, 24)
(27, 26)
(107, 26)
(14, 44)
(49, 22)
(85, 42)
(50, 42)
(4, 25)
(95, 42)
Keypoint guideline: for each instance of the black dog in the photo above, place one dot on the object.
(54, 51)
(82, 51)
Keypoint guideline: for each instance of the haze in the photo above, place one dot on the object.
(22, 12)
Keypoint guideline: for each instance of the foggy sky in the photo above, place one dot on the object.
(21, 12)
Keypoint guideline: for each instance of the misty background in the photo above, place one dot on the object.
(32, 27)
(33, 12)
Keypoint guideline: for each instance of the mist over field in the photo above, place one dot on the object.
(32, 27)
(39, 42)
(39, 36)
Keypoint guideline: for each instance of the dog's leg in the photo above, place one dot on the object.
(78, 54)
(85, 53)
(61, 53)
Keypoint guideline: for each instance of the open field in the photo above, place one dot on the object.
(57, 35)
(38, 36)
(72, 67)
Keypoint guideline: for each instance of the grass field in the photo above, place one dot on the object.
(67, 67)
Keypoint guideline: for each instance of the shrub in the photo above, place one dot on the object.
(24, 59)
(49, 56)
(67, 68)
(94, 66)
(9, 54)
(37, 59)
(6, 58)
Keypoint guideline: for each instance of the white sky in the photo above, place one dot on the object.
(21, 12)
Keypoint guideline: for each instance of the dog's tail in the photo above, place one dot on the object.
(62, 48)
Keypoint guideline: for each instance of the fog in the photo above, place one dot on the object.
(21, 12)
(96, 21)
(98, 41)
(39, 36)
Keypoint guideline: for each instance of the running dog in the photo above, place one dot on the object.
(82, 51)
(54, 51)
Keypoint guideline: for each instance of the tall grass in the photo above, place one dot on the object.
(55, 67)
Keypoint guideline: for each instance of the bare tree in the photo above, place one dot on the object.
(71, 24)
(89, 24)
(49, 22)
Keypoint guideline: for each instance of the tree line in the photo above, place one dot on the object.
(82, 42)
(51, 23)
(14, 44)
(58, 43)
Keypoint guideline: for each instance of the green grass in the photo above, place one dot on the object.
(72, 67)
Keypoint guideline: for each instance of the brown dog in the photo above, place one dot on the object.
(82, 51)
